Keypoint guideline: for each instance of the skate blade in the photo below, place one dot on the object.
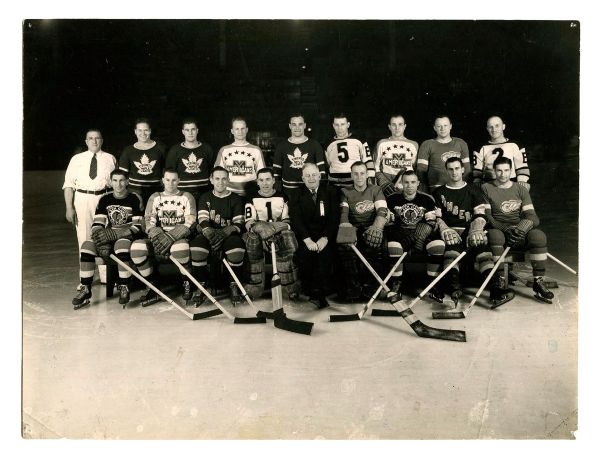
(82, 305)
(506, 300)
(542, 299)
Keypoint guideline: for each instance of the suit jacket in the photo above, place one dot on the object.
(305, 214)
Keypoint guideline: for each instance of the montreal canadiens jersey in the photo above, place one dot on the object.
(145, 167)
(394, 157)
(242, 161)
(407, 213)
(484, 161)
(219, 212)
(289, 158)
(433, 155)
(192, 164)
(263, 208)
(169, 210)
(507, 204)
(341, 153)
(125, 212)
(361, 206)
(460, 205)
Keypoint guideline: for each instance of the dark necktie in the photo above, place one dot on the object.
(94, 167)
(313, 193)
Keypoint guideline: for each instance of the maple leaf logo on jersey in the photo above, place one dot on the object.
(192, 163)
(146, 166)
(409, 213)
(511, 206)
(117, 214)
(364, 206)
(297, 159)
(239, 168)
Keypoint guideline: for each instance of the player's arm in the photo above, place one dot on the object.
(259, 160)
(423, 163)
(478, 164)
(521, 166)
(219, 160)
(466, 160)
(368, 160)
(237, 213)
(320, 159)
(124, 160)
(278, 165)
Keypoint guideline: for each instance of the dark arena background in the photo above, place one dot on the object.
(516, 377)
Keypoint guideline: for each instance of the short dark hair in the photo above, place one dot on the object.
(218, 168)
(341, 115)
(239, 118)
(442, 116)
(405, 173)
(502, 160)
(449, 160)
(143, 120)
(93, 130)
(297, 114)
(394, 115)
(170, 170)
(189, 120)
(265, 170)
(118, 171)
(357, 163)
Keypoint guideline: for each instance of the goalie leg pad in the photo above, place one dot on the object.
(256, 277)
(286, 243)
(254, 246)
(288, 272)
(435, 256)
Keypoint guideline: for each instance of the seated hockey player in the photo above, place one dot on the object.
(363, 216)
(169, 219)
(515, 223)
(462, 227)
(267, 219)
(413, 217)
(117, 221)
(220, 223)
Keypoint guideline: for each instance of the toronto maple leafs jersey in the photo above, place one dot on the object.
(289, 158)
(219, 212)
(360, 207)
(393, 157)
(125, 212)
(409, 212)
(145, 167)
(242, 161)
(460, 205)
(431, 160)
(484, 161)
(341, 153)
(266, 208)
(192, 164)
(169, 210)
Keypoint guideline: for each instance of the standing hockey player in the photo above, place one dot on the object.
(511, 214)
(192, 160)
(267, 219)
(434, 153)
(500, 146)
(118, 220)
(169, 219)
(414, 219)
(315, 215)
(220, 224)
(394, 156)
(241, 159)
(343, 151)
(462, 227)
(364, 214)
(291, 155)
(144, 161)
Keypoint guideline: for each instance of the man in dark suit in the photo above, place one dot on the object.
(315, 215)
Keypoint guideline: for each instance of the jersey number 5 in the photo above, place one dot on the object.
(342, 151)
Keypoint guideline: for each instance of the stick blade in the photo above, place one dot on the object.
(255, 320)
(378, 312)
(206, 314)
(423, 330)
(344, 317)
(448, 315)
(292, 325)
(264, 314)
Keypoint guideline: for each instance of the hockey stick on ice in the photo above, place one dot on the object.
(148, 284)
(567, 267)
(281, 321)
(255, 320)
(358, 316)
(422, 330)
(463, 314)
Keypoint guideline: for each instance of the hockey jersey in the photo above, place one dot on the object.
(289, 158)
(508, 205)
(219, 212)
(409, 212)
(145, 167)
(460, 205)
(432, 157)
(361, 207)
(242, 161)
(169, 210)
(341, 153)
(263, 208)
(484, 161)
(192, 164)
(394, 157)
(125, 212)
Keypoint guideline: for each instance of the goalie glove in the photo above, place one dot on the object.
(263, 229)
(477, 235)
(373, 236)
(279, 226)
(346, 234)
(214, 236)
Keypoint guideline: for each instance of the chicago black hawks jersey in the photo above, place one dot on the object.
(145, 167)
(263, 208)
(169, 210)
(219, 212)
(394, 157)
(341, 154)
(124, 212)
(507, 205)
(289, 158)
(242, 161)
(360, 207)
(484, 161)
(192, 164)
(432, 157)
(409, 212)
(460, 205)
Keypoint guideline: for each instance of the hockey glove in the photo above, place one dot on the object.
(514, 236)
(263, 229)
(386, 185)
(346, 234)
(104, 250)
(451, 237)
(477, 235)
(179, 232)
(162, 243)
(214, 236)
(280, 226)
(373, 236)
(229, 230)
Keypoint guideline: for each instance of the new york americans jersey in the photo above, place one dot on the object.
(432, 157)
(125, 212)
(393, 157)
(360, 207)
(289, 158)
(409, 212)
(341, 154)
(219, 212)
(192, 164)
(460, 205)
(484, 161)
(169, 210)
(145, 166)
(263, 208)
(242, 161)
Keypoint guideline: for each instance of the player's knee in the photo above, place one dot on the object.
(235, 256)
(395, 249)
(496, 237)
(199, 254)
(180, 250)
(122, 248)
(88, 251)
(537, 238)
(139, 251)
(435, 247)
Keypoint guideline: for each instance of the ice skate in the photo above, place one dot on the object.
(123, 294)
(541, 291)
(82, 297)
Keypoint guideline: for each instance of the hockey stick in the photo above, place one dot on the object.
(358, 316)
(148, 284)
(463, 314)
(567, 267)
(281, 321)
(422, 330)
(254, 320)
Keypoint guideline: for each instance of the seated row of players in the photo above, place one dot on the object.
(462, 217)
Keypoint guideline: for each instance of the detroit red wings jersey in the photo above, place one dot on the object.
(361, 206)
(169, 210)
(289, 158)
(266, 208)
(341, 154)
(242, 161)
(409, 212)
(394, 157)
(460, 205)
(484, 161)
(432, 157)
(124, 212)
(507, 204)
(219, 212)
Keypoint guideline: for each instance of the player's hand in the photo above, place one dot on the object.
(451, 237)
(476, 238)
(71, 216)
(311, 245)
(515, 237)
(321, 243)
